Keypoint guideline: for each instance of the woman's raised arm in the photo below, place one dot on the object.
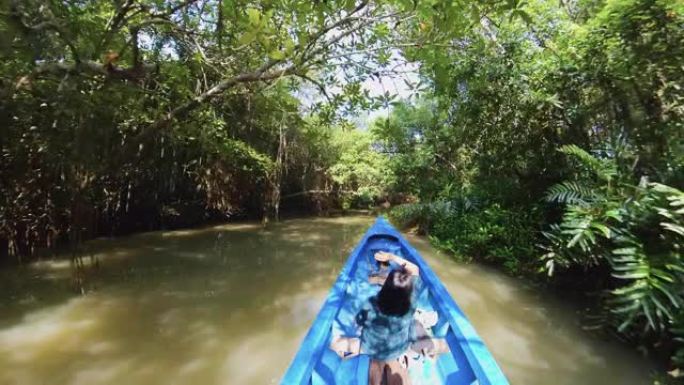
(384, 256)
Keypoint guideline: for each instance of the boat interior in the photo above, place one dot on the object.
(448, 368)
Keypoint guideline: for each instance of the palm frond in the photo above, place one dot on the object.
(604, 169)
(651, 287)
(570, 192)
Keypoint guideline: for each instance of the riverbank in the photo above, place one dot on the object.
(66, 248)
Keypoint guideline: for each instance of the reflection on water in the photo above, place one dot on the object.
(230, 304)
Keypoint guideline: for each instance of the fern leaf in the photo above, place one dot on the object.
(604, 169)
(569, 193)
(673, 227)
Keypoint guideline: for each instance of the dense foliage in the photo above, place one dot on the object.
(635, 231)
(555, 142)
(127, 115)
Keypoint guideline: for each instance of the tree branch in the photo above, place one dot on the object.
(262, 73)
(114, 23)
(318, 84)
(135, 73)
(174, 9)
(312, 39)
(258, 75)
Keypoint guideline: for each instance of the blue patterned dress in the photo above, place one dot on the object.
(385, 337)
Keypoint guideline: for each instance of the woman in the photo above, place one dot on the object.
(388, 326)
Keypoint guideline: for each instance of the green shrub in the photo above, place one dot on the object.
(486, 232)
(636, 233)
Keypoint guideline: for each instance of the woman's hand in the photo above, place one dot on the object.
(382, 256)
(346, 347)
(438, 346)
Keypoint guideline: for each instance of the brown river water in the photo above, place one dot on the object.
(230, 304)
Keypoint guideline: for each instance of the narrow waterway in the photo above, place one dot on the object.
(230, 304)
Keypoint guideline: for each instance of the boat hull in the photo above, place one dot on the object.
(468, 362)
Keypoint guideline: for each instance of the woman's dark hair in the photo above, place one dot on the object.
(395, 296)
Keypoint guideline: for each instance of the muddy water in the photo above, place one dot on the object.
(230, 304)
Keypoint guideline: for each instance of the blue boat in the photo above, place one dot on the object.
(468, 361)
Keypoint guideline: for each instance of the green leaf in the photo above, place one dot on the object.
(635, 275)
(381, 30)
(289, 45)
(614, 213)
(662, 275)
(625, 251)
(647, 312)
(673, 227)
(626, 308)
(247, 38)
(254, 16)
(276, 55)
(524, 15)
(574, 240)
(602, 228)
(623, 326)
(674, 300)
(660, 306)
